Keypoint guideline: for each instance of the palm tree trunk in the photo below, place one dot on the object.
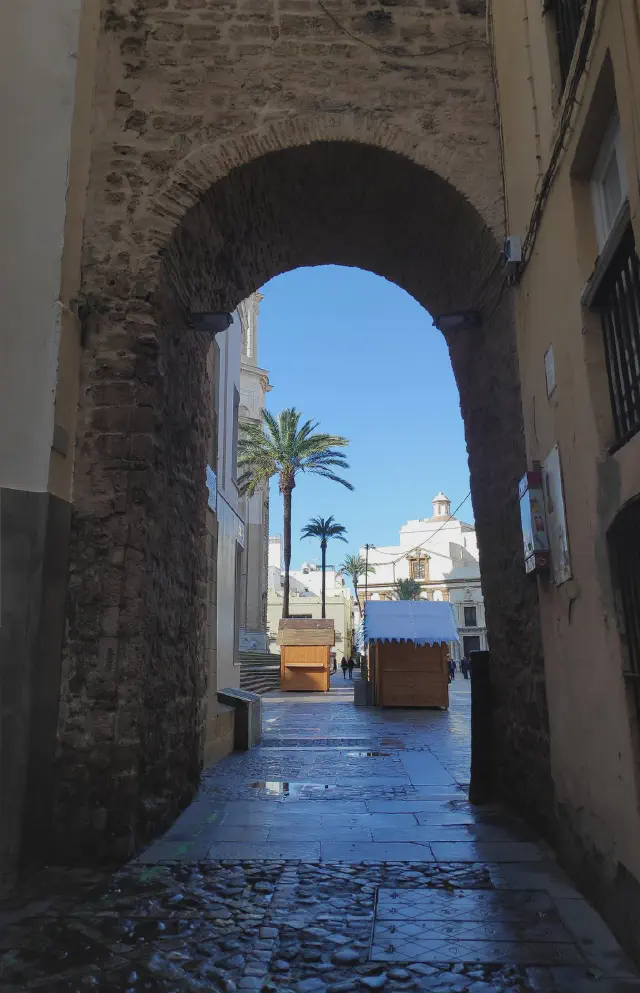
(286, 499)
(355, 591)
(323, 547)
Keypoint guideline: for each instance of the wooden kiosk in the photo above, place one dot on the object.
(408, 651)
(305, 647)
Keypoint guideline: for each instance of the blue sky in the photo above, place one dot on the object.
(359, 355)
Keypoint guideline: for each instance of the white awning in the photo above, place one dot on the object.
(425, 622)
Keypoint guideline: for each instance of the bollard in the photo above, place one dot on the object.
(481, 786)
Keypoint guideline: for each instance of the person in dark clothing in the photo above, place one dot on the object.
(335, 664)
(464, 666)
(344, 668)
(452, 670)
(350, 665)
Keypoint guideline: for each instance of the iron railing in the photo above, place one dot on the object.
(624, 541)
(568, 16)
(618, 300)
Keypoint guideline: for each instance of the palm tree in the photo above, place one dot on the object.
(284, 448)
(406, 589)
(323, 529)
(355, 566)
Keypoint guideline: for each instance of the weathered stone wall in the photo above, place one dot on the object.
(485, 363)
(133, 680)
(236, 139)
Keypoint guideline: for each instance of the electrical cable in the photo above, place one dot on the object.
(431, 536)
(390, 52)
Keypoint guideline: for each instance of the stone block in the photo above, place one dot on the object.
(248, 716)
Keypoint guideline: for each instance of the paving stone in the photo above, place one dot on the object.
(311, 986)
(257, 915)
(346, 956)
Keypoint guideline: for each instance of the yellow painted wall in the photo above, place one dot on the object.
(594, 763)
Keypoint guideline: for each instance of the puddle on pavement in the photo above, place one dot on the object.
(392, 742)
(368, 755)
(289, 789)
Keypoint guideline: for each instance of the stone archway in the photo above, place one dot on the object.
(231, 140)
(133, 676)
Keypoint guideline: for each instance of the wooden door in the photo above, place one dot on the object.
(412, 675)
(304, 667)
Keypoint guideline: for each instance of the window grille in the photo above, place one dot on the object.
(618, 300)
(624, 544)
(568, 16)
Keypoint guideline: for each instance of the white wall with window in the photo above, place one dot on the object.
(254, 386)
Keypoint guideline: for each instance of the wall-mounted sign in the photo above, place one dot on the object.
(556, 518)
(240, 531)
(532, 517)
(550, 370)
(212, 487)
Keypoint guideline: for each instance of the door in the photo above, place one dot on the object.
(471, 643)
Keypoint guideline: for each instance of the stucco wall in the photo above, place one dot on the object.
(38, 60)
(256, 516)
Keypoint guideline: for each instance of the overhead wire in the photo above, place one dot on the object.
(431, 536)
(391, 52)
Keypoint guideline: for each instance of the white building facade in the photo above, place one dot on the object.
(441, 553)
(254, 386)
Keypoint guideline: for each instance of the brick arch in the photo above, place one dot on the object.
(338, 201)
(210, 162)
(133, 675)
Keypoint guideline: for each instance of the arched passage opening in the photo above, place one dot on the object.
(133, 689)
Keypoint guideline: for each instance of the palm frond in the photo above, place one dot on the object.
(356, 566)
(332, 476)
(406, 589)
(282, 447)
(324, 529)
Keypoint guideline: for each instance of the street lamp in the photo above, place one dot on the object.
(210, 322)
(463, 320)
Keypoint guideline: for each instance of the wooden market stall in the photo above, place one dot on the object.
(305, 647)
(408, 651)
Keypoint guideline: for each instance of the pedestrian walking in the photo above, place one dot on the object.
(335, 664)
(344, 665)
(452, 670)
(350, 665)
(464, 666)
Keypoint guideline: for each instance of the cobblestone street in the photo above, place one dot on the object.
(340, 855)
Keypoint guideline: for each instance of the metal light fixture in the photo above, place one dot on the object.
(462, 320)
(211, 323)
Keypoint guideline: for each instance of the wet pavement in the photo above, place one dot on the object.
(340, 855)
